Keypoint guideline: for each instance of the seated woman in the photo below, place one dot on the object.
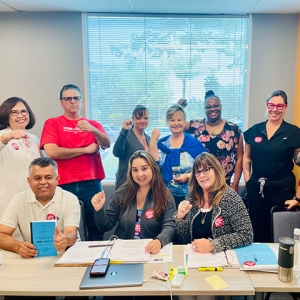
(143, 206)
(213, 218)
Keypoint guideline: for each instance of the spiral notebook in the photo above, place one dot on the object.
(119, 275)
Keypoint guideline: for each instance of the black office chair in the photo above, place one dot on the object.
(82, 225)
(282, 225)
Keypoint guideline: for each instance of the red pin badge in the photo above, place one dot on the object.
(149, 214)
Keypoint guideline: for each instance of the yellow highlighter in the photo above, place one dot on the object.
(116, 262)
(212, 269)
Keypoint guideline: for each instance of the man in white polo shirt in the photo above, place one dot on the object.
(44, 201)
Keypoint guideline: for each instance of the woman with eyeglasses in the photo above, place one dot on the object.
(132, 138)
(17, 148)
(271, 147)
(220, 137)
(213, 217)
(175, 153)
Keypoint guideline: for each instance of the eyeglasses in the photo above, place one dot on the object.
(69, 99)
(15, 113)
(204, 171)
(279, 106)
(216, 105)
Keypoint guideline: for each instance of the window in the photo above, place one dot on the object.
(155, 61)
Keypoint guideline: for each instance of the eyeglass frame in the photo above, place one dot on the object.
(204, 171)
(16, 113)
(69, 99)
(276, 105)
(215, 106)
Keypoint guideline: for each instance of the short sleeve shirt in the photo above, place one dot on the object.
(223, 146)
(24, 208)
(272, 158)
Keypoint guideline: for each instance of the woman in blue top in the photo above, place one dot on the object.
(175, 153)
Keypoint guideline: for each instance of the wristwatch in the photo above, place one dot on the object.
(296, 198)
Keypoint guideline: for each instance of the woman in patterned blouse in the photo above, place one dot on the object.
(220, 137)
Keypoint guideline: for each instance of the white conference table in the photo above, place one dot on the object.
(39, 277)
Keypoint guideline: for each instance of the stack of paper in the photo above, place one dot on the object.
(119, 251)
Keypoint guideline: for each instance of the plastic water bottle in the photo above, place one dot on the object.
(296, 269)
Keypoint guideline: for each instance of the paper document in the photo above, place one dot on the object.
(130, 251)
(164, 255)
(123, 251)
(195, 259)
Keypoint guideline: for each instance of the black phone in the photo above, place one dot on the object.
(99, 267)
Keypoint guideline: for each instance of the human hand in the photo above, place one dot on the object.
(16, 134)
(92, 148)
(155, 134)
(290, 204)
(183, 102)
(183, 208)
(98, 200)
(153, 246)
(84, 125)
(27, 250)
(181, 178)
(127, 124)
(202, 246)
(60, 240)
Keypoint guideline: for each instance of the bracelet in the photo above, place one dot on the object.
(3, 140)
(296, 198)
(299, 182)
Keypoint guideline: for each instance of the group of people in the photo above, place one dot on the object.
(177, 188)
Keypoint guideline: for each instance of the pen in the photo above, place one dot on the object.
(186, 260)
(94, 246)
(217, 269)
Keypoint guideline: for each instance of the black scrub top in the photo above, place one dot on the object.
(272, 158)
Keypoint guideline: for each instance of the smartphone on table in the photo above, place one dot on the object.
(99, 267)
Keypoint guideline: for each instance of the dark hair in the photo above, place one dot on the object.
(139, 111)
(210, 94)
(69, 87)
(43, 162)
(160, 193)
(6, 107)
(278, 93)
(205, 160)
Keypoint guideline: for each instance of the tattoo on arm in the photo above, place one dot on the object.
(297, 156)
(248, 166)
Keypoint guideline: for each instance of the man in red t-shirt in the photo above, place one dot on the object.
(74, 141)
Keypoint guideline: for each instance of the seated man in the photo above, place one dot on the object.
(44, 201)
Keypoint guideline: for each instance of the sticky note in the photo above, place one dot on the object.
(216, 282)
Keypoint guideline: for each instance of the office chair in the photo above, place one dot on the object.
(82, 225)
(282, 225)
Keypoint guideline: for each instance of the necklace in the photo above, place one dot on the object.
(213, 133)
(203, 217)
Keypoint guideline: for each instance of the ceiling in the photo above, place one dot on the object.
(154, 6)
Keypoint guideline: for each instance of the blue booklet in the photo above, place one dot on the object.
(257, 257)
(42, 233)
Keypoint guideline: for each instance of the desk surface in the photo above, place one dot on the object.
(39, 277)
(269, 282)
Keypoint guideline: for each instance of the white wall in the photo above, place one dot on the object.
(39, 53)
(273, 62)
